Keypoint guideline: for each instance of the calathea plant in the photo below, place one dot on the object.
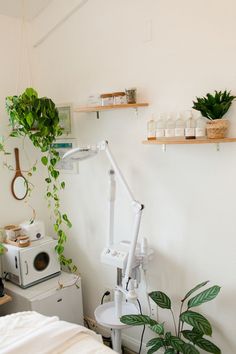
(38, 119)
(186, 341)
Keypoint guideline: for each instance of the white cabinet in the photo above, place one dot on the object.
(48, 298)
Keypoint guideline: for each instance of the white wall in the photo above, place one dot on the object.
(189, 192)
(14, 75)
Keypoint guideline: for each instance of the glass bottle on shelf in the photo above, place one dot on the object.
(179, 126)
(170, 127)
(160, 127)
(200, 127)
(151, 129)
(190, 126)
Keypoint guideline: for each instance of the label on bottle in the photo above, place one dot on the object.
(189, 132)
(160, 133)
(179, 131)
(169, 132)
(200, 132)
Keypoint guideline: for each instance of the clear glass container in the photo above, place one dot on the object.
(151, 129)
(160, 126)
(179, 126)
(200, 129)
(190, 126)
(170, 127)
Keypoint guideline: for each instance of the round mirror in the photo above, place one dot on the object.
(19, 187)
(19, 184)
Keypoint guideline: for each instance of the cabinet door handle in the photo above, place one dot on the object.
(27, 268)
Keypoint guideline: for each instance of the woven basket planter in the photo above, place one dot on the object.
(217, 129)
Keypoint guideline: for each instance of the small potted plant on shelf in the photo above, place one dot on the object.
(186, 341)
(214, 107)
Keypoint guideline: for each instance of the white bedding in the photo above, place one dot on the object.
(32, 333)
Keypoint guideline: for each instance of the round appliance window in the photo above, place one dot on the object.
(41, 261)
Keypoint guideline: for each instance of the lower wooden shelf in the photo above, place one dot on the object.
(173, 141)
(4, 299)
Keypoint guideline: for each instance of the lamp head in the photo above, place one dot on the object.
(80, 153)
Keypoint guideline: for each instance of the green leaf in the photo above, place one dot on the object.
(155, 344)
(170, 351)
(188, 348)
(137, 320)
(161, 299)
(204, 296)
(176, 343)
(197, 321)
(30, 119)
(44, 160)
(195, 289)
(191, 335)
(207, 346)
(158, 328)
(63, 185)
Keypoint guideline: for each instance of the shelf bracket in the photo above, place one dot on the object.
(98, 114)
(136, 112)
(217, 147)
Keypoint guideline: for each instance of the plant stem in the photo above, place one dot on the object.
(181, 308)
(174, 321)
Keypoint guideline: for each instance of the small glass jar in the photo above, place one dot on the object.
(119, 98)
(107, 99)
(131, 95)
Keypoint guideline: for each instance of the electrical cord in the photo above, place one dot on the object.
(144, 327)
(107, 293)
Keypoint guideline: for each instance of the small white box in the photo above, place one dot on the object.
(35, 231)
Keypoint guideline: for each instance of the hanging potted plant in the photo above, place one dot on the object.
(38, 119)
(214, 107)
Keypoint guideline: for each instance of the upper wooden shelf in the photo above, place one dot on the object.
(110, 107)
(173, 141)
(4, 299)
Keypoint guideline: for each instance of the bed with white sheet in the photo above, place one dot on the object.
(32, 333)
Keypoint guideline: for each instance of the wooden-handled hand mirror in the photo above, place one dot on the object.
(19, 185)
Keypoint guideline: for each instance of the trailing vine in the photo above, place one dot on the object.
(38, 119)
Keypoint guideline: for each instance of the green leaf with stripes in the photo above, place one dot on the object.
(170, 351)
(205, 296)
(137, 320)
(207, 346)
(155, 344)
(195, 289)
(197, 321)
(176, 343)
(161, 299)
(158, 328)
(188, 348)
(191, 336)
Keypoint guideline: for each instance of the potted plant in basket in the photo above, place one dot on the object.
(214, 107)
(186, 341)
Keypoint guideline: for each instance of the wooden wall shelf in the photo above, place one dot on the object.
(110, 107)
(173, 141)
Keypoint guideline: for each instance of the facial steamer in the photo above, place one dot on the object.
(127, 256)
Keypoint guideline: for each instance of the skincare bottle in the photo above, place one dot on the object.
(200, 127)
(179, 126)
(190, 127)
(170, 127)
(151, 130)
(160, 127)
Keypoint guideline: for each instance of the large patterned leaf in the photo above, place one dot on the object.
(204, 296)
(207, 346)
(137, 320)
(195, 289)
(191, 336)
(188, 348)
(155, 344)
(197, 321)
(157, 328)
(176, 343)
(170, 351)
(160, 299)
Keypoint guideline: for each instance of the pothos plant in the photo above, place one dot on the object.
(38, 119)
(183, 340)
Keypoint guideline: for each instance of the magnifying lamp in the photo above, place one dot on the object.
(123, 255)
